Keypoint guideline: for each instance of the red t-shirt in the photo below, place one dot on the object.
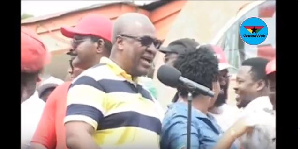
(51, 130)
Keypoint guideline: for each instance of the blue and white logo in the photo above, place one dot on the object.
(254, 31)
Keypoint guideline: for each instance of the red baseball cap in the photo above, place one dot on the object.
(271, 66)
(34, 55)
(92, 24)
(223, 63)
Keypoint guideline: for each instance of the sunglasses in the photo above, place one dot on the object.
(79, 39)
(145, 40)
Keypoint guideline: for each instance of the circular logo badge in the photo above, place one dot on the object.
(254, 31)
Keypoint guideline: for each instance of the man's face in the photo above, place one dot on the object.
(170, 58)
(216, 89)
(84, 51)
(246, 87)
(73, 71)
(139, 50)
(223, 77)
(272, 86)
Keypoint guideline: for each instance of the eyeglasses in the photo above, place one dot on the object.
(79, 39)
(145, 40)
(76, 42)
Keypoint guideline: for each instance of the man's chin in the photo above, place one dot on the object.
(141, 71)
(239, 104)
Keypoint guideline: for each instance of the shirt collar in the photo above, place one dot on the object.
(259, 103)
(33, 98)
(184, 108)
(118, 70)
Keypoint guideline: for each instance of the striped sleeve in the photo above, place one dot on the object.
(85, 101)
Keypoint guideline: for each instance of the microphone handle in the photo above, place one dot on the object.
(189, 120)
(195, 86)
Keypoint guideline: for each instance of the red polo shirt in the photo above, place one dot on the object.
(51, 130)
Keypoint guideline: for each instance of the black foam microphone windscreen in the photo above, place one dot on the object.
(168, 75)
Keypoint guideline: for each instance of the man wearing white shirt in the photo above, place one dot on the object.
(264, 133)
(252, 85)
(252, 88)
(31, 111)
(256, 129)
(34, 57)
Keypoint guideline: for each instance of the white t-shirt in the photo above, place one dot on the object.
(264, 134)
(257, 105)
(226, 116)
(262, 117)
(31, 111)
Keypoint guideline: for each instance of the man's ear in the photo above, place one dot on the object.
(120, 43)
(261, 84)
(100, 46)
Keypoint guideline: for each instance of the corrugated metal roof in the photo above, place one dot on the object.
(50, 16)
(148, 5)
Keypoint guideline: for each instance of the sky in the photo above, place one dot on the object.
(40, 8)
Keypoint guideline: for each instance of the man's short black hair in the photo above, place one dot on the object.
(107, 44)
(258, 67)
(198, 65)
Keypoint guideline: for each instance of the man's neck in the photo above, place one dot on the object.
(261, 94)
(117, 61)
(120, 63)
(197, 104)
(200, 106)
(27, 92)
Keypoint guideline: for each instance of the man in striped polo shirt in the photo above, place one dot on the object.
(106, 105)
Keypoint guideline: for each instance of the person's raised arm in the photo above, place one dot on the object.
(239, 128)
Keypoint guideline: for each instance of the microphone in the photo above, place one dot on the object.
(170, 76)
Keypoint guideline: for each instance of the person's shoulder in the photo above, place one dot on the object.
(62, 88)
(33, 105)
(176, 111)
(65, 85)
(59, 92)
(97, 73)
(33, 99)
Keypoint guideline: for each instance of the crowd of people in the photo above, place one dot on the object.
(109, 100)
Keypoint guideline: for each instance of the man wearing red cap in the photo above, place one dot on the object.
(34, 57)
(271, 74)
(107, 107)
(225, 114)
(91, 40)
